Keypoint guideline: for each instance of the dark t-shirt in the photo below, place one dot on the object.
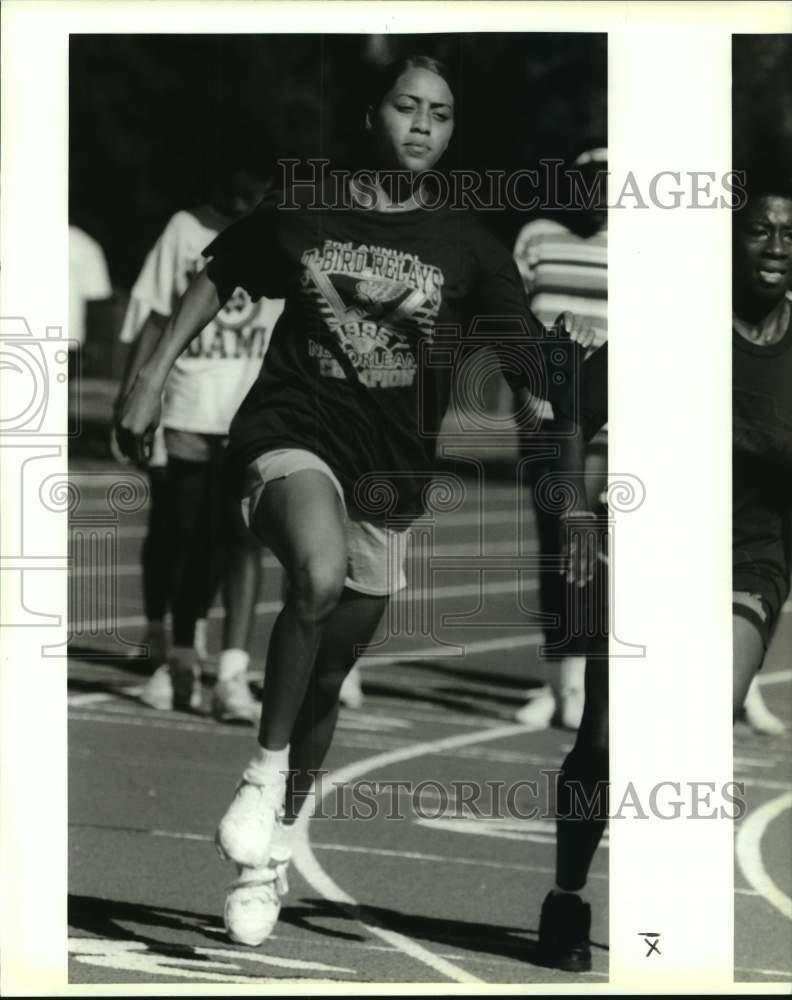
(380, 307)
(762, 403)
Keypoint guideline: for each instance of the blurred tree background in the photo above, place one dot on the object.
(762, 100)
(151, 115)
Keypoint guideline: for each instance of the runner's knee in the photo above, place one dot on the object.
(316, 586)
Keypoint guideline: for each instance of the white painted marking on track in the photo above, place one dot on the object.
(767, 783)
(81, 700)
(195, 963)
(283, 963)
(366, 722)
(775, 677)
(538, 831)
(383, 852)
(272, 607)
(310, 869)
(784, 976)
(749, 762)
(481, 646)
(466, 549)
(749, 852)
(459, 519)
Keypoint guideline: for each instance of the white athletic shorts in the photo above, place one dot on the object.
(375, 553)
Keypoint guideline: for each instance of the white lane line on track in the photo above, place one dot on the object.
(444, 858)
(481, 646)
(310, 869)
(749, 852)
(271, 607)
(772, 760)
(382, 852)
(81, 700)
(785, 976)
(460, 519)
(465, 549)
(767, 783)
(776, 677)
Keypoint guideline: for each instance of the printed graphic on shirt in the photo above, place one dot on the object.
(233, 334)
(375, 302)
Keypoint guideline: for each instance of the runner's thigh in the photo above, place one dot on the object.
(301, 518)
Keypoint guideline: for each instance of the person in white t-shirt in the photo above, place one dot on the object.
(207, 540)
(89, 281)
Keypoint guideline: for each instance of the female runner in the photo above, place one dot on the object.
(348, 404)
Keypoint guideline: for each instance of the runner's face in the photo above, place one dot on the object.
(413, 125)
(239, 194)
(763, 248)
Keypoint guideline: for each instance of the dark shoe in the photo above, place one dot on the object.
(564, 929)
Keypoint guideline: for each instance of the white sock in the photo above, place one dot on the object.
(558, 891)
(232, 662)
(265, 765)
(199, 640)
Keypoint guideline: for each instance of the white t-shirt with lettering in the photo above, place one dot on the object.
(214, 373)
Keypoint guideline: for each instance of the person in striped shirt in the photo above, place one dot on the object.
(563, 263)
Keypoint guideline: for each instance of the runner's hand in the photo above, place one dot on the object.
(115, 451)
(579, 329)
(580, 542)
(137, 418)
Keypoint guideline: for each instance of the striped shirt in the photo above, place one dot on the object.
(563, 271)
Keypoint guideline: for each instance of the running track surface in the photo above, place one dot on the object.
(446, 893)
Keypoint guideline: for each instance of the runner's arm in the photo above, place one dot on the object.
(579, 417)
(139, 411)
(139, 353)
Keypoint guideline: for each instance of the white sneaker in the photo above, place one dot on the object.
(351, 693)
(233, 702)
(538, 712)
(157, 692)
(758, 715)
(245, 832)
(253, 905)
(570, 709)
